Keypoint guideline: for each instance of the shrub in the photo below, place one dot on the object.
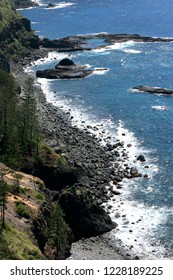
(22, 210)
(39, 196)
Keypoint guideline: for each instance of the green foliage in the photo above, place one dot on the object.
(39, 196)
(4, 190)
(5, 253)
(22, 210)
(19, 129)
(16, 190)
(17, 245)
(28, 125)
(15, 34)
(9, 144)
(57, 232)
(7, 13)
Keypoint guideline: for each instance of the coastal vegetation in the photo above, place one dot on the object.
(15, 31)
(21, 147)
(19, 135)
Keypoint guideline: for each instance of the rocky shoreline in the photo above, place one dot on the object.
(84, 151)
(98, 164)
(80, 147)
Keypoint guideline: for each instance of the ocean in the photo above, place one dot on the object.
(144, 122)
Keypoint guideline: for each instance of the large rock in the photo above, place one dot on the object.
(156, 90)
(85, 218)
(141, 158)
(65, 69)
(65, 62)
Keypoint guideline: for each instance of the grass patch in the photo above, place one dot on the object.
(39, 197)
(22, 210)
(17, 245)
(7, 13)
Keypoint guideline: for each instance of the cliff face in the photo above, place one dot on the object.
(15, 30)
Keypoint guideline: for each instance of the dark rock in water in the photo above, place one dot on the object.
(65, 69)
(156, 90)
(54, 74)
(51, 6)
(65, 62)
(85, 218)
(141, 158)
(64, 44)
(133, 171)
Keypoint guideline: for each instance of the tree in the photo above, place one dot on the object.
(8, 109)
(9, 137)
(28, 125)
(57, 232)
(3, 197)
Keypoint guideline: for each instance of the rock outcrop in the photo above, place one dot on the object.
(81, 42)
(23, 4)
(153, 90)
(65, 69)
(85, 218)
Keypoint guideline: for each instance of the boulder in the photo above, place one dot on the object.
(133, 171)
(65, 62)
(85, 218)
(141, 158)
(51, 6)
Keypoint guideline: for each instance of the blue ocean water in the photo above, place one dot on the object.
(104, 99)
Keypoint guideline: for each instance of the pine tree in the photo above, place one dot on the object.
(57, 232)
(28, 126)
(3, 197)
(9, 141)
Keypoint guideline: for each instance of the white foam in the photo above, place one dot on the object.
(100, 71)
(146, 219)
(159, 107)
(135, 148)
(52, 56)
(125, 47)
(29, 8)
(132, 51)
(137, 224)
(39, 2)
